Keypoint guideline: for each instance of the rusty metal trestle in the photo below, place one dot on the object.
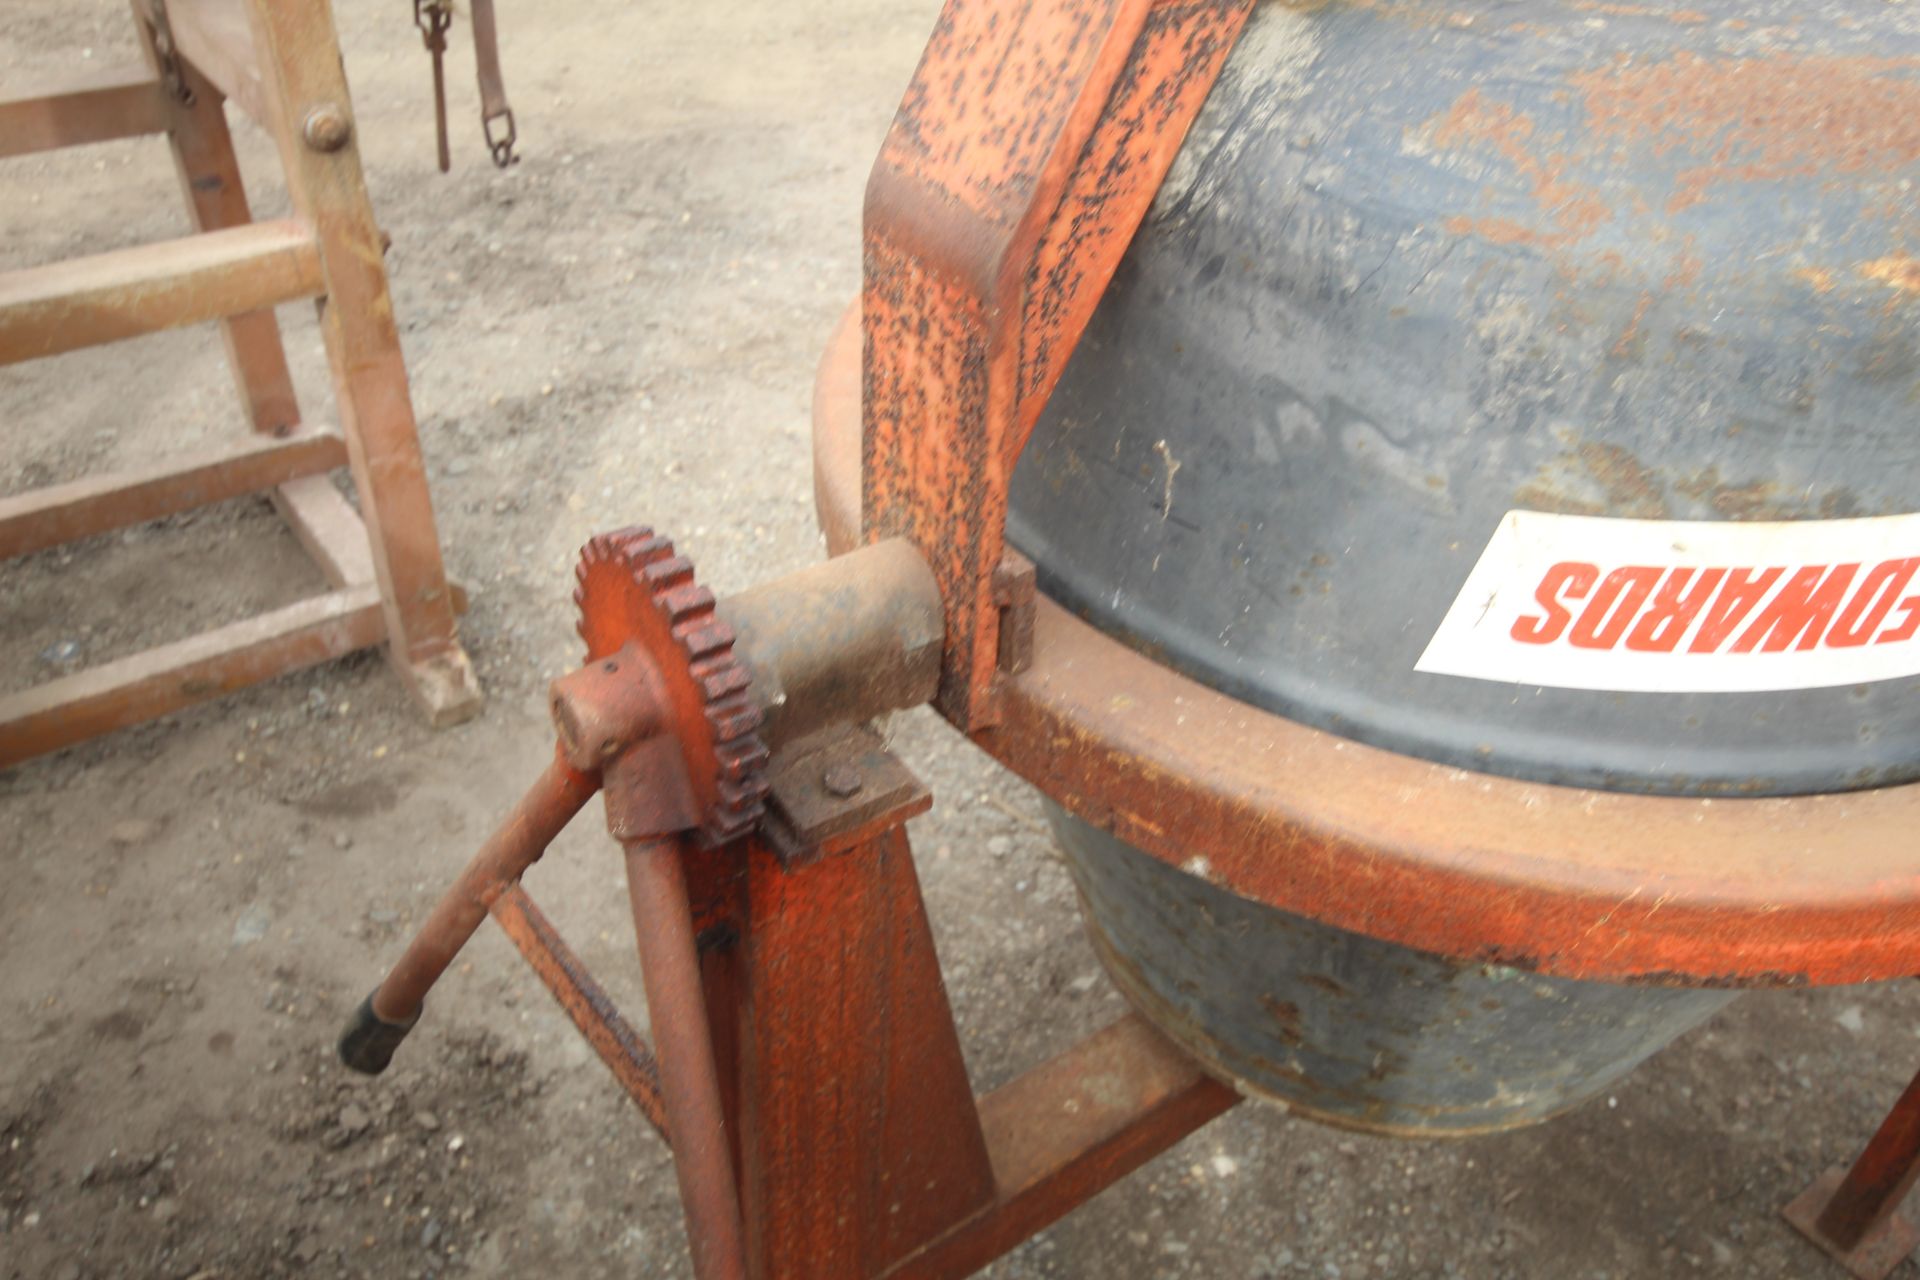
(840, 1138)
(834, 1138)
(764, 820)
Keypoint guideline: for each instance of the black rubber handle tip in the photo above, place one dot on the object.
(368, 1043)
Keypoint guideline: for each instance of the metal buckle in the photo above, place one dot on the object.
(502, 148)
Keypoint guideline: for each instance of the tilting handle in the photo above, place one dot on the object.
(683, 1090)
(384, 1018)
(368, 1043)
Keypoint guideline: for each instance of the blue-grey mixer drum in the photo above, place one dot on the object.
(1532, 388)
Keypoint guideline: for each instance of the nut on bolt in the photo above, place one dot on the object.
(327, 128)
(842, 781)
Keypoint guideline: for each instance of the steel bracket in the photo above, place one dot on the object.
(835, 789)
(1016, 595)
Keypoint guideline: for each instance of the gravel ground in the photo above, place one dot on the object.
(623, 328)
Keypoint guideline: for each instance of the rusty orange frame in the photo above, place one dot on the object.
(1805, 890)
(1030, 144)
(1025, 154)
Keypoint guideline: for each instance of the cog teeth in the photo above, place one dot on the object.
(627, 536)
(643, 551)
(741, 759)
(720, 678)
(742, 797)
(668, 573)
(603, 547)
(683, 603)
(634, 568)
(724, 829)
(734, 718)
(740, 801)
(710, 665)
(705, 638)
(739, 806)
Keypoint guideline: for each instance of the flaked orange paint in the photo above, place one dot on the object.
(1897, 271)
(1758, 119)
(1575, 208)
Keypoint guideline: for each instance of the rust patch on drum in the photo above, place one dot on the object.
(1760, 119)
(1576, 208)
(1679, 17)
(1899, 271)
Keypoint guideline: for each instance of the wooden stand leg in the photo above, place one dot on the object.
(210, 181)
(298, 54)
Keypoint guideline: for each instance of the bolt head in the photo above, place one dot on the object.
(327, 127)
(842, 781)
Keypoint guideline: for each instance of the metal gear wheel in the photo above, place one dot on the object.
(633, 588)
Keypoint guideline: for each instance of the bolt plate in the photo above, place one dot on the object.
(806, 820)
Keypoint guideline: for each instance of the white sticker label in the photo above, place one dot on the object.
(1676, 606)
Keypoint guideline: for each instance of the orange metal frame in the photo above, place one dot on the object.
(848, 1140)
(849, 1144)
(1024, 156)
(1582, 884)
(852, 1145)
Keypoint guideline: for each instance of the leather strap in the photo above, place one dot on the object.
(493, 91)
